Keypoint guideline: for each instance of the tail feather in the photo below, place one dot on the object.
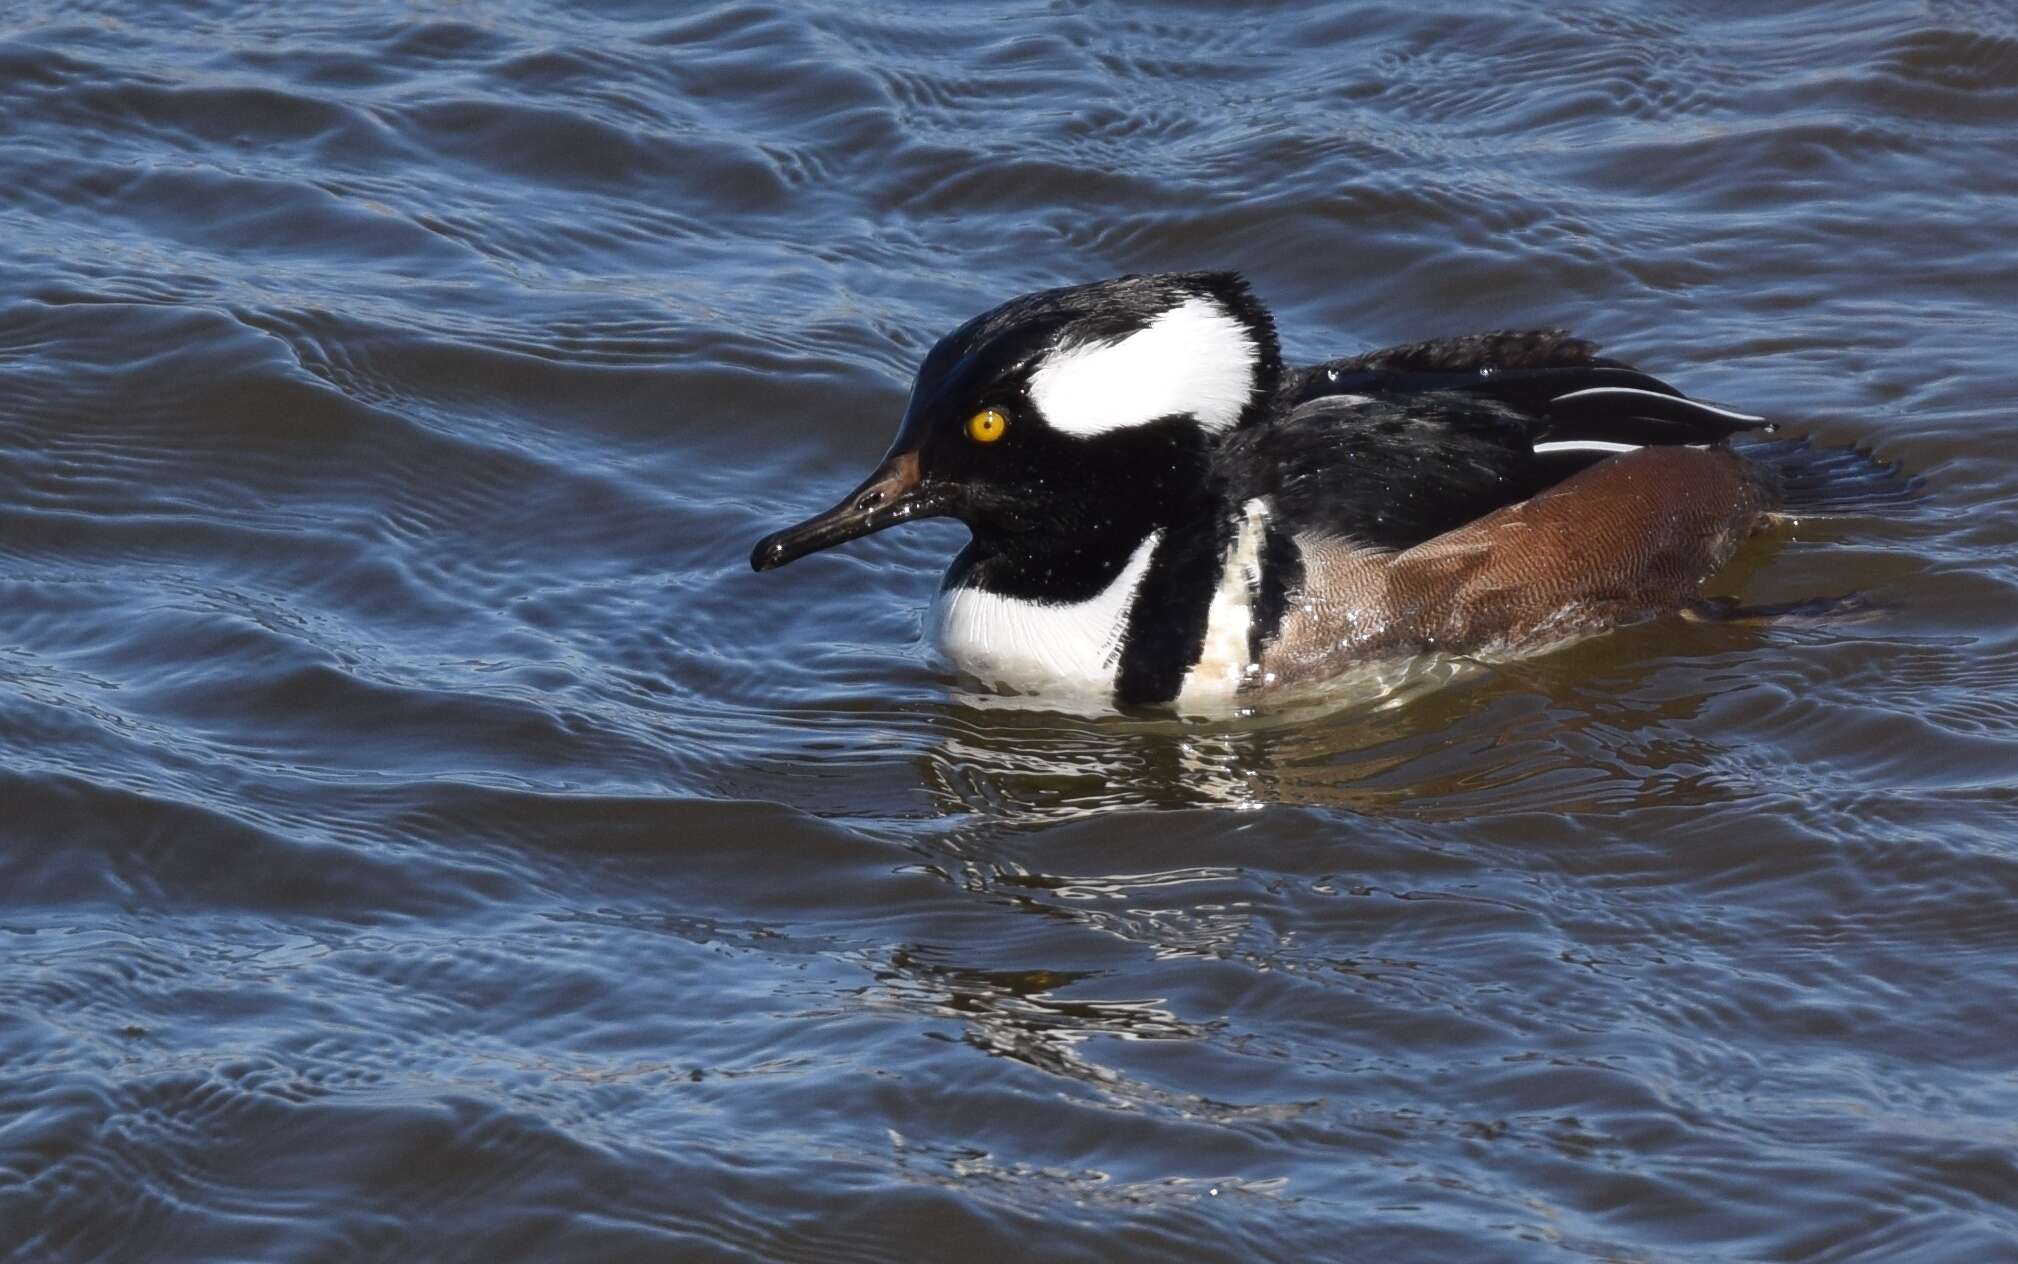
(1809, 479)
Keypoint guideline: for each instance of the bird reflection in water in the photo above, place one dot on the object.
(1009, 757)
(1018, 1013)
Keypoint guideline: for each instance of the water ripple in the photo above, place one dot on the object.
(424, 838)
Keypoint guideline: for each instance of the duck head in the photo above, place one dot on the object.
(1064, 426)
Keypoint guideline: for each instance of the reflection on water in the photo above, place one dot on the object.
(1019, 1014)
(1418, 749)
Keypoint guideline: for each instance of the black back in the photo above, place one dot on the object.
(1398, 446)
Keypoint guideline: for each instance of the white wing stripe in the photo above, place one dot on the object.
(1646, 394)
(1586, 445)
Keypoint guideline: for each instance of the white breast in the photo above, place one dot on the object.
(1033, 647)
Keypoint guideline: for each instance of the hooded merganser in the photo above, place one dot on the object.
(1163, 514)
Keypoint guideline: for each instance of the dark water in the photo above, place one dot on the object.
(424, 838)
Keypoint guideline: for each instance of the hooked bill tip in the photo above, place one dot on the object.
(767, 554)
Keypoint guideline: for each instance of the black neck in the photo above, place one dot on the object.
(1109, 498)
(1089, 532)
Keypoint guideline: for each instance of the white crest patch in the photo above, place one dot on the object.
(1035, 647)
(1195, 358)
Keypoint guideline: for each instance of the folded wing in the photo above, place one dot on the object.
(1397, 446)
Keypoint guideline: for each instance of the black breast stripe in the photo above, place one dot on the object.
(1281, 579)
(1166, 625)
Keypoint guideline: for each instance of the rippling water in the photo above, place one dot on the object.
(424, 838)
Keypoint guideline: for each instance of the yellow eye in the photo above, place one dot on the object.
(987, 425)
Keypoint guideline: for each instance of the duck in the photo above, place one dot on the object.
(1165, 517)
